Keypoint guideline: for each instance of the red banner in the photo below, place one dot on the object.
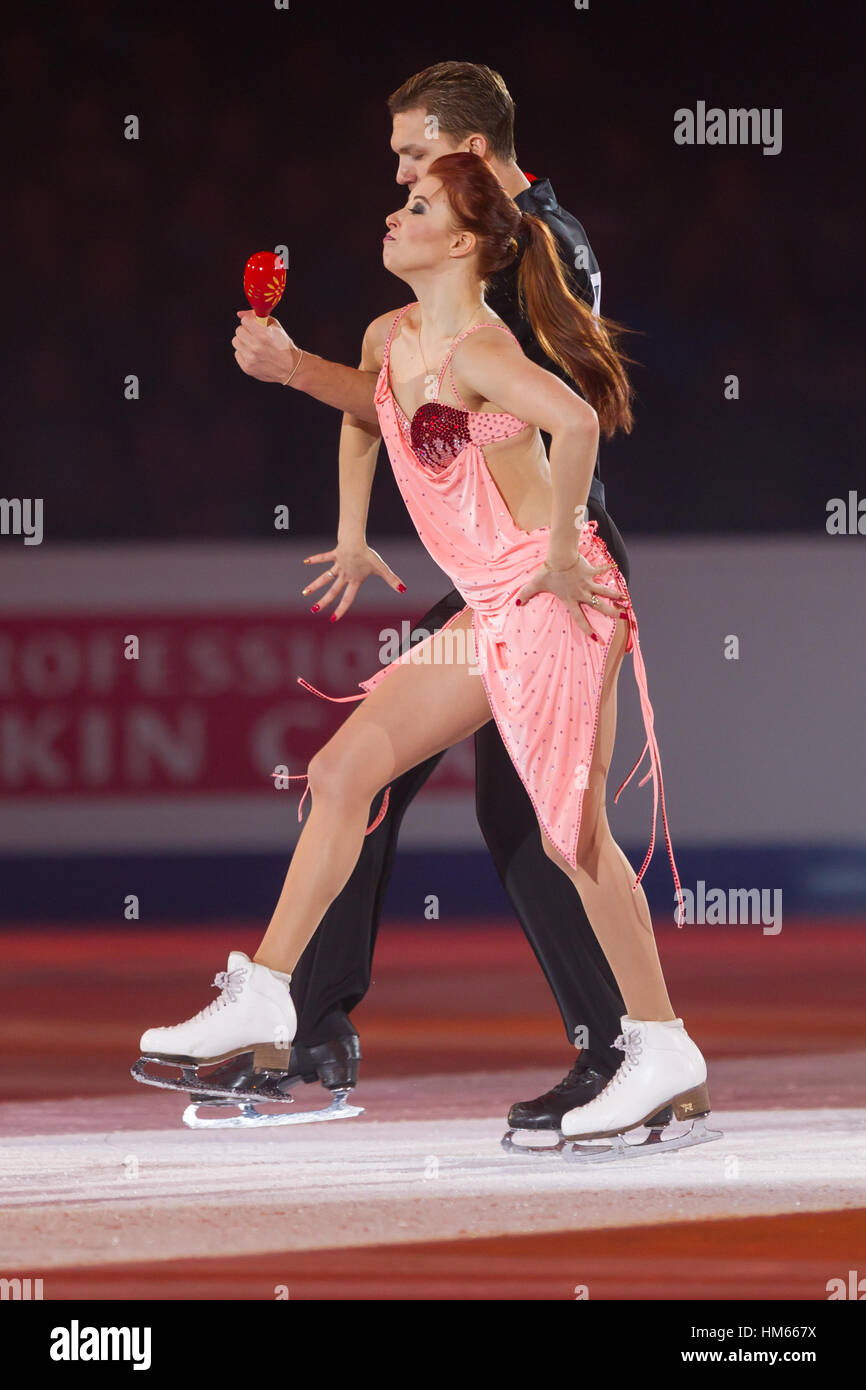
(174, 703)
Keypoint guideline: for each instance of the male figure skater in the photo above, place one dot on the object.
(448, 107)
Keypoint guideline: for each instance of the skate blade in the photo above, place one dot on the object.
(205, 1087)
(251, 1118)
(620, 1148)
(511, 1146)
(185, 1082)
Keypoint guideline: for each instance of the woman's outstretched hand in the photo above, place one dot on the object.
(348, 567)
(576, 586)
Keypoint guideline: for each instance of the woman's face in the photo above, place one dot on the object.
(422, 234)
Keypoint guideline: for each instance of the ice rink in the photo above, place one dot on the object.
(105, 1194)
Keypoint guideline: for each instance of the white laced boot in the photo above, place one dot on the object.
(662, 1067)
(254, 1012)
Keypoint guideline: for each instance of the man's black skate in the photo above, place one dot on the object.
(334, 1063)
(237, 1083)
(582, 1084)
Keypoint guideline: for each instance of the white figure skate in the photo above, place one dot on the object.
(662, 1067)
(254, 1019)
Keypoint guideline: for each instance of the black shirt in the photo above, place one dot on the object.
(579, 266)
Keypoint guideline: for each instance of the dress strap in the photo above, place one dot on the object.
(454, 387)
(449, 355)
(386, 354)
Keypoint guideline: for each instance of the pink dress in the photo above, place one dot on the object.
(542, 673)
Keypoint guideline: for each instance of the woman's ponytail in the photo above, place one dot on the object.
(582, 343)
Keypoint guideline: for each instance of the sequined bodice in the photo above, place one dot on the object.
(437, 432)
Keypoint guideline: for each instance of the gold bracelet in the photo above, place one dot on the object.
(295, 368)
(563, 571)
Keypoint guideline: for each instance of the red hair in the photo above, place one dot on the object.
(583, 344)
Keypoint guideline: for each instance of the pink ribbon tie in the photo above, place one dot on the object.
(295, 776)
(655, 770)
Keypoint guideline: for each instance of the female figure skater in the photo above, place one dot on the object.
(460, 410)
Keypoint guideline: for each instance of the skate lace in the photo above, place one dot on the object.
(229, 983)
(631, 1043)
(569, 1082)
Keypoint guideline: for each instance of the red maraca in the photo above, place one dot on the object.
(264, 282)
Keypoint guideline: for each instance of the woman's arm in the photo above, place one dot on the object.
(495, 369)
(359, 450)
(352, 560)
(359, 447)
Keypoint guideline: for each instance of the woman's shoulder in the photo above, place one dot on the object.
(494, 321)
(478, 359)
(475, 346)
(377, 334)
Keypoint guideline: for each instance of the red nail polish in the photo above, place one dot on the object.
(315, 608)
(594, 638)
(401, 588)
(624, 617)
(333, 618)
(519, 602)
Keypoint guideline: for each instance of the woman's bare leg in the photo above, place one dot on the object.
(417, 710)
(620, 918)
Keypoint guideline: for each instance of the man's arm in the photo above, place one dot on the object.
(345, 388)
(266, 352)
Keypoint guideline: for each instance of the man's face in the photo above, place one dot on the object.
(416, 142)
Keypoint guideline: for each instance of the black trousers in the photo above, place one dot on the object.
(333, 974)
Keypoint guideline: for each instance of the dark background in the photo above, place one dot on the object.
(261, 127)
